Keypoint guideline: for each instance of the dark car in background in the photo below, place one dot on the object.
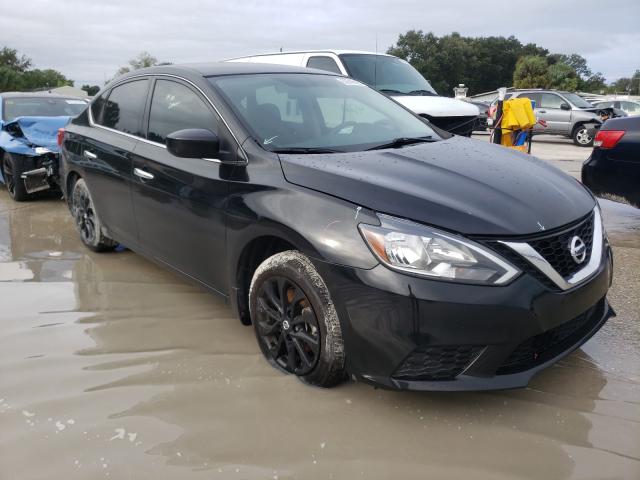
(29, 124)
(614, 164)
(376, 247)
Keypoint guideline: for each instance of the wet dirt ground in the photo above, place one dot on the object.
(111, 367)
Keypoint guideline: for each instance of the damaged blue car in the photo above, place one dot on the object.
(29, 124)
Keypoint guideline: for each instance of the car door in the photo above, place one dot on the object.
(558, 120)
(107, 148)
(179, 202)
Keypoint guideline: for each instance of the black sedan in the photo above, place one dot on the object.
(358, 240)
(614, 164)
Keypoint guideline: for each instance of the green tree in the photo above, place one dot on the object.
(44, 79)
(91, 89)
(10, 80)
(142, 60)
(562, 77)
(9, 58)
(630, 85)
(532, 71)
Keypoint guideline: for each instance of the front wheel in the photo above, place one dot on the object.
(295, 321)
(12, 175)
(581, 137)
(87, 221)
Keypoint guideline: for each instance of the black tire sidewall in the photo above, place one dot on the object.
(19, 190)
(101, 242)
(296, 267)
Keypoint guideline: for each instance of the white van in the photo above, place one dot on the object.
(388, 74)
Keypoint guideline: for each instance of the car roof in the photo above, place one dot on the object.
(223, 68)
(37, 95)
(327, 50)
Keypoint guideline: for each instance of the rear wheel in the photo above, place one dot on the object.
(11, 173)
(581, 136)
(295, 321)
(87, 220)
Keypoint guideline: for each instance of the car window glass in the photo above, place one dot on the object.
(532, 96)
(287, 108)
(176, 107)
(324, 63)
(97, 106)
(550, 100)
(630, 107)
(336, 111)
(605, 104)
(125, 106)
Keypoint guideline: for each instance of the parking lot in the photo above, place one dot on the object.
(112, 367)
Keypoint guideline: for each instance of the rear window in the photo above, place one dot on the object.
(125, 106)
(13, 108)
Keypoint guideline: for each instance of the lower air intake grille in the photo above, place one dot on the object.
(543, 347)
(437, 363)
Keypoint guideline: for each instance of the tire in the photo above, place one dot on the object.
(291, 308)
(11, 172)
(581, 137)
(86, 219)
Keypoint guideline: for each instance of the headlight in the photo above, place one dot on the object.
(410, 247)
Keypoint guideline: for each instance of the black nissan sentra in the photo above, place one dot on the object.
(358, 239)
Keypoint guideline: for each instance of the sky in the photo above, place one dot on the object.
(88, 40)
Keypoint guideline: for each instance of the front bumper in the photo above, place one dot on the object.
(405, 332)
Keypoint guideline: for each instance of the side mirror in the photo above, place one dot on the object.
(565, 106)
(193, 143)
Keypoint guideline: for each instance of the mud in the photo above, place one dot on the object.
(111, 367)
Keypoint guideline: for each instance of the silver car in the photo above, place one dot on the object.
(564, 113)
(630, 107)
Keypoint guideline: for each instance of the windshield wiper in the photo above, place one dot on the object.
(402, 141)
(422, 92)
(294, 150)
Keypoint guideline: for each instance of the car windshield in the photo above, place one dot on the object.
(41, 107)
(577, 100)
(317, 112)
(388, 74)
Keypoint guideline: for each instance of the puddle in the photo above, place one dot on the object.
(111, 367)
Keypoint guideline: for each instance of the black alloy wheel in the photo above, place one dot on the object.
(287, 326)
(84, 214)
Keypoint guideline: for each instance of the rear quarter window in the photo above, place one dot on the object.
(124, 107)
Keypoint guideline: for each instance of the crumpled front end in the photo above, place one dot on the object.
(32, 144)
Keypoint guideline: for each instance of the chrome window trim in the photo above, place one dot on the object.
(156, 144)
(538, 261)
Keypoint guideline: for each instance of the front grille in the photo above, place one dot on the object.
(540, 348)
(555, 249)
(437, 362)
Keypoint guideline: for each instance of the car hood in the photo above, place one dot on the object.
(23, 134)
(462, 185)
(436, 106)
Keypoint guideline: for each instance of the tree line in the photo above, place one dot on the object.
(481, 63)
(487, 63)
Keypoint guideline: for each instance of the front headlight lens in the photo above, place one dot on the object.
(414, 248)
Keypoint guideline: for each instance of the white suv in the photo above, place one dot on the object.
(388, 74)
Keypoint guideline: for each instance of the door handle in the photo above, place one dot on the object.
(138, 172)
(90, 155)
(542, 111)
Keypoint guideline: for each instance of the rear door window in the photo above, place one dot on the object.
(176, 107)
(551, 100)
(124, 108)
(97, 107)
(323, 63)
(532, 96)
